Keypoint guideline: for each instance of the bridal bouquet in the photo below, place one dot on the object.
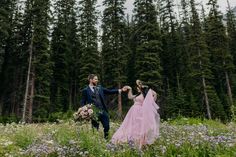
(85, 113)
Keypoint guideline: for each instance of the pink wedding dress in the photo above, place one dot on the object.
(141, 124)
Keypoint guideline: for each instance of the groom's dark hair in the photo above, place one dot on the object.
(91, 76)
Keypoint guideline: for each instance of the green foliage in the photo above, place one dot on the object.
(10, 51)
(199, 150)
(88, 33)
(179, 137)
(231, 30)
(189, 60)
(171, 52)
(57, 116)
(10, 150)
(216, 107)
(170, 108)
(24, 137)
(148, 44)
(197, 121)
(65, 56)
(5, 13)
(186, 121)
(53, 117)
(9, 119)
(176, 104)
(91, 141)
(114, 48)
(63, 135)
(219, 50)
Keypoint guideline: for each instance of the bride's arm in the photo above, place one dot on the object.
(130, 93)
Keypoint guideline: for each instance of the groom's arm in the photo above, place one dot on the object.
(111, 91)
(84, 97)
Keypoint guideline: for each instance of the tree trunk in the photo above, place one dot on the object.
(229, 92)
(31, 97)
(27, 82)
(206, 98)
(204, 89)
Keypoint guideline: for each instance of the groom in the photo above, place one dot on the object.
(94, 94)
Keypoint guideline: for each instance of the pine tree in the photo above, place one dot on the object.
(174, 59)
(65, 57)
(171, 56)
(114, 50)
(181, 102)
(231, 31)
(183, 33)
(26, 58)
(199, 61)
(182, 53)
(220, 55)
(170, 108)
(41, 70)
(200, 73)
(4, 26)
(10, 87)
(90, 58)
(194, 109)
(74, 62)
(130, 40)
(29, 36)
(114, 47)
(148, 44)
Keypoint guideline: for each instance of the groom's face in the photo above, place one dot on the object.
(94, 81)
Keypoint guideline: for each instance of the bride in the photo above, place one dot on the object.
(141, 124)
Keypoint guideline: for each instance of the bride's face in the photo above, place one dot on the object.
(138, 90)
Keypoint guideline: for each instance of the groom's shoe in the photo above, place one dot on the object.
(106, 135)
(95, 125)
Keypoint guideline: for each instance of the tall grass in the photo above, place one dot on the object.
(185, 137)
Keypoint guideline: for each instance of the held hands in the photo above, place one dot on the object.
(125, 88)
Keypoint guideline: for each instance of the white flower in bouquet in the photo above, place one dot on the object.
(84, 116)
(79, 110)
(76, 115)
(82, 113)
(89, 105)
(84, 108)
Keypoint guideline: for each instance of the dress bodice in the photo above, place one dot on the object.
(139, 99)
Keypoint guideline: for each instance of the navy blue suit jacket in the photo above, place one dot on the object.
(87, 95)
